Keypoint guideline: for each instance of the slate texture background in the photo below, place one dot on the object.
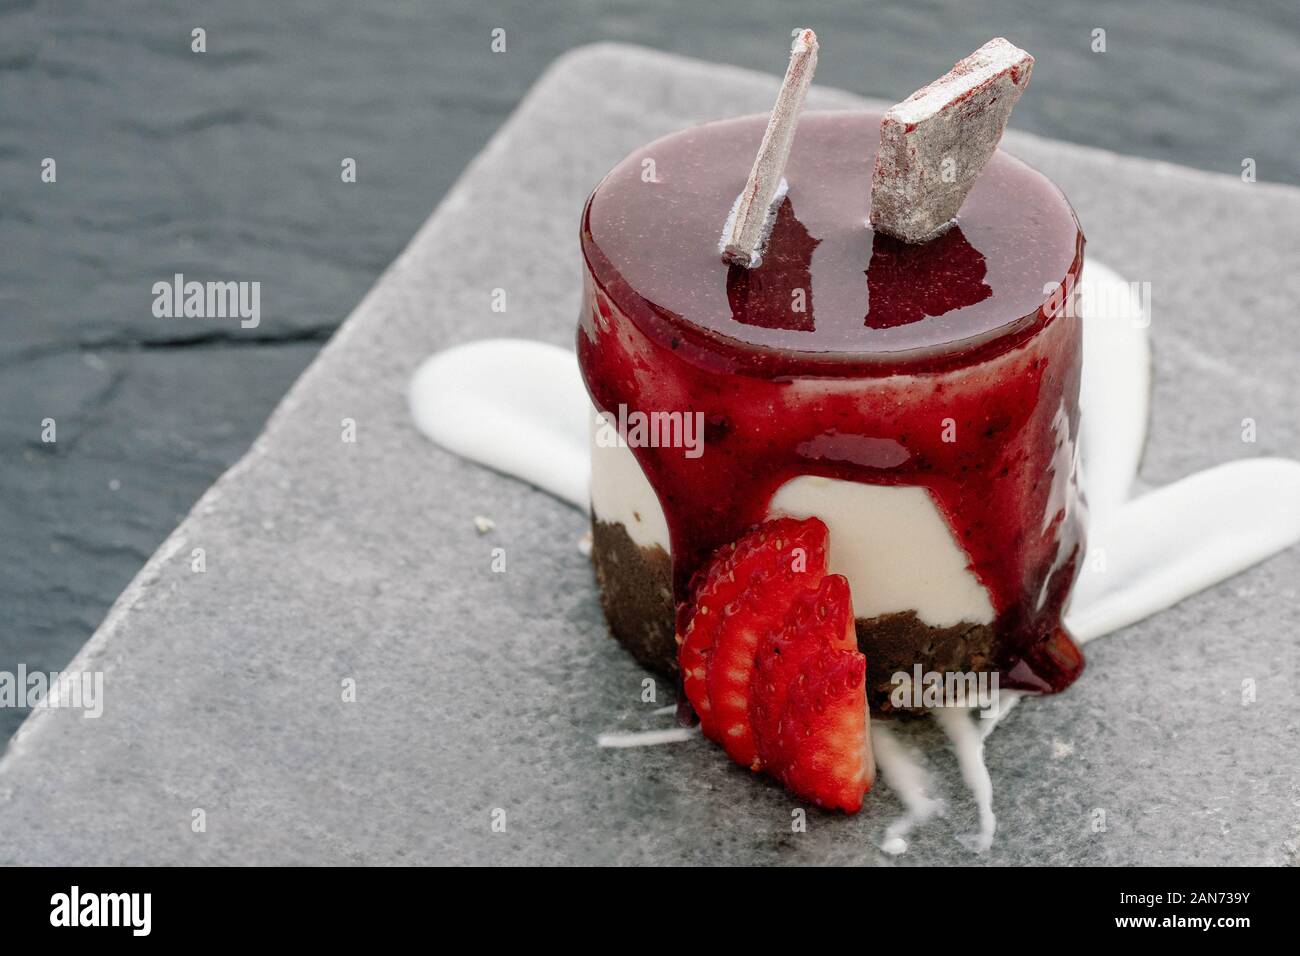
(476, 690)
(226, 166)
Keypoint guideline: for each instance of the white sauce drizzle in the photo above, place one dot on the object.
(902, 769)
(968, 745)
(648, 738)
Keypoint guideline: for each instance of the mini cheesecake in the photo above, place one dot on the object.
(921, 400)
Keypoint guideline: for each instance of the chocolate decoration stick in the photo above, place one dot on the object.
(746, 231)
(934, 144)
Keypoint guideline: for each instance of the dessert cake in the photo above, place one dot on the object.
(916, 395)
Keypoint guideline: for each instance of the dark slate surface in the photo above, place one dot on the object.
(226, 166)
(479, 691)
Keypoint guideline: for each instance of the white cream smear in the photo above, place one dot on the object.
(520, 408)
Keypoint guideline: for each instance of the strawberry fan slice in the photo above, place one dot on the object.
(770, 663)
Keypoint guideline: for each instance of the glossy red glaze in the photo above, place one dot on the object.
(941, 365)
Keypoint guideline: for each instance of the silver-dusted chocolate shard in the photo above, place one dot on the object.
(934, 144)
(745, 233)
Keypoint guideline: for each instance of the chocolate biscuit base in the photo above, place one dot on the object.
(895, 643)
(636, 593)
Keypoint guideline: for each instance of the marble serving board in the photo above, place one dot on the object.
(336, 569)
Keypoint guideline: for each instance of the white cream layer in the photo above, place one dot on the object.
(892, 543)
(621, 493)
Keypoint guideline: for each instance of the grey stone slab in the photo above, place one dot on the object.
(477, 690)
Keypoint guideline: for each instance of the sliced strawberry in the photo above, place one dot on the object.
(694, 651)
(823, 732)
(815, 619)
(809, 700)
(770, 663)
(741, 594)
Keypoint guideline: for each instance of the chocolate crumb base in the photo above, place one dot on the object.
(898, 642)
(636, 594)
